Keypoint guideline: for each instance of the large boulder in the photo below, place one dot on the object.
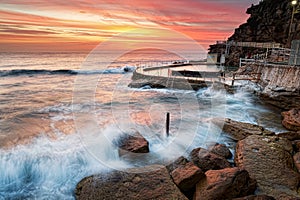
(186, 177)
(268, 160)
(206, 160)
(134, 143)
(151, 182)
(240, 130)
(225, 184)
(179, 162)
(291, 119)
(221, 150)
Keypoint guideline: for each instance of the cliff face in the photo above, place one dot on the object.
(269, 21)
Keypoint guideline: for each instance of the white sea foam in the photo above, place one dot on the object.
(50, 168)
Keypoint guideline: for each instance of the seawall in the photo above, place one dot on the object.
(280, 84)
(140, 80)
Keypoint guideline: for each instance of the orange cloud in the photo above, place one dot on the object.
(80, 25)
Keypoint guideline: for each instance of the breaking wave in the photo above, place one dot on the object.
(21, 72)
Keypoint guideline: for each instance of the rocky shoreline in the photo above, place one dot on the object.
(266, 166)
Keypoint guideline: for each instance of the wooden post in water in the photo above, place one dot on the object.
(233, 77)
(168, 124)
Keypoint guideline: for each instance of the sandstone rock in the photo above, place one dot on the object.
(206, 160)
(285, 102)
(291, 119)
(187, 176)
(225, 184)
(267, 23)
(240, 130)
(296, 158)
(268, 160)
(179, 162)
(255, 197)
(221, 150)
(151, 182)
(290, 135)
(134, 143)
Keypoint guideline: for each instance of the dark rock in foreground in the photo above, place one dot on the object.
(206, 160)
(187, 176)
(224, 184)
(153, 182)
(134, 143)
(268, 160)
(179, 162)
(296, 145)
(291, 119)
(221, 150)
(240, 130)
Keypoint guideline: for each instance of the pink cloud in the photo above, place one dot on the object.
(204, 21)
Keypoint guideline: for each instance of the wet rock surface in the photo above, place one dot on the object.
(268, 159)
(179, 162)
(240, 130)
(264, 162)
(291, 119)
(225, 184)
(221, 150)
(206, 160)
(134, 143)
(151, 182)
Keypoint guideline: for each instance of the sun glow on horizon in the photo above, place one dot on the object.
(59, 26)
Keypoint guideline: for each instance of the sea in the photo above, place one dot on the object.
(60, 119)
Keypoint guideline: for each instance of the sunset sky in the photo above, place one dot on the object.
(79, 25)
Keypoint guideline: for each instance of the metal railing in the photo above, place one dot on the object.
(245, 61)
(154, 69)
